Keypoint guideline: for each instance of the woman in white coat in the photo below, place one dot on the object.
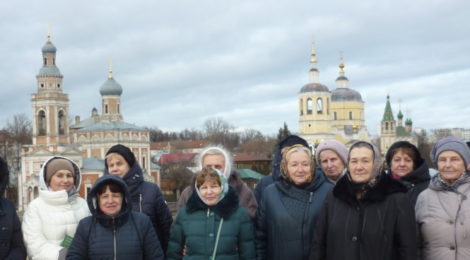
(443, 210)
(50, 220)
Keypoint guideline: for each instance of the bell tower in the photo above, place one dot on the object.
(50, 104)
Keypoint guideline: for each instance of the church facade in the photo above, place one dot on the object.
(330, 114)
(86, 141)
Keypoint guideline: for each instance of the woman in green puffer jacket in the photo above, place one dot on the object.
(212, 225)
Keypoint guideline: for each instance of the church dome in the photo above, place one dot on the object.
(49, 71)
(314, 87)
(49, 48)
(345, 94)
(111, 88)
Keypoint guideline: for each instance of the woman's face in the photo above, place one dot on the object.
(110, 203)
(210, 191)
(401, 164)
(451, 166)
(62, 180)
(361, 164)
(299, 167)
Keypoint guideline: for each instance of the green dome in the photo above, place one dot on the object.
(408, 122)
(400, 115)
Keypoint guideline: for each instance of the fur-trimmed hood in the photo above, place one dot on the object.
(377, 193)
(223, 208)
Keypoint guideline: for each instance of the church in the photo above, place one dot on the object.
(330, 114)
(86, 141)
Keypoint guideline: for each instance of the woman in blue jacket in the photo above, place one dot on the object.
(114, 231)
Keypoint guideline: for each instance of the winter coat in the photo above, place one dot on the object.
(52, 216)
(147, 198)
(286, 218)
(443, 219)
(416, 181)
(381, 225)
(129, 235)
(245, 195)
(196, 228)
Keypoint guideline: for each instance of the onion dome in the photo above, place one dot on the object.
(314, 87)
(345, 94)
(400, 115)
(408, 122)
(111, 87)
(49, 47)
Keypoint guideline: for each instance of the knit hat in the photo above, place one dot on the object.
(417, 161)
(451, 143)
(334, 146)
(55, 165)
(291, 140)
(124, 151)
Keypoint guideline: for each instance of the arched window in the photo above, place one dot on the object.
(309, 106)
(118, 108)
(143, 163)
(106, 109)
(61, 121)
(350, 115)
(45, 61)
(386, 125)
(42, 123)
(301, 106)
(327, 106)
(319, 106)
(335, 116)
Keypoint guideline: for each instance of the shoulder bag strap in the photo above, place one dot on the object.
(217, 239)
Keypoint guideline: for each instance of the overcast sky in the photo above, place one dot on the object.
(181, 62)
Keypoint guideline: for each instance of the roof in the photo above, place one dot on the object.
(345, 94)
(49, 47)
(180, 144)
(49, 71)
(176, 158)
(244, 157)
(93, 164)
(84, 123)
(314, 87)
(388, 115)
(341, 78)
(111, 88)
(110, 126)
(401, 131)
(249, 174)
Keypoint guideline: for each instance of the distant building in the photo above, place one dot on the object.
(85, 142)
(392, 131)
(325, 114)
(462, 133)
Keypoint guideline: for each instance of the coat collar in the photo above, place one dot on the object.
(379, 192)
(223, 208)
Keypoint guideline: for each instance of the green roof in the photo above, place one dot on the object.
(401, 131)
(400, 115)
(249, 174)
(388, 115)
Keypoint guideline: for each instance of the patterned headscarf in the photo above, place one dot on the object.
(223, 184)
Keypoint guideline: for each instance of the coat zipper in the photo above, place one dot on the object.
(140, 202)
(114, 239)
(310, 198)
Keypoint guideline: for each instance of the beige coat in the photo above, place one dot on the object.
(444, 222)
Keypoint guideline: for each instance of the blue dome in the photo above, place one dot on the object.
(49, 48)
(314, 87)
(49, 71)
(111, 88)
(345, 94)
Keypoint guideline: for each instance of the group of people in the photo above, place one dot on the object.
(338, 203)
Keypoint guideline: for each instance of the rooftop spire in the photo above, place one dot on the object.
(313, 58)
(341, 64)
(110, 72)
(314, 74)
(49, 33)
(388, 114)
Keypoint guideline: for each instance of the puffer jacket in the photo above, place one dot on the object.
(147, 198)
(11, 238)
(196, 228)
(52, 216)
(444, 222)
(381, 225)
(245, 195)
(129, 235)
(286, 218)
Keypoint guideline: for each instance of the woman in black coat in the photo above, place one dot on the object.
(11, 237)
(408, 167)
(114, 230)
(367, 216)
(290, 207)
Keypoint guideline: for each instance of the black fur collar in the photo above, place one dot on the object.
(224, 208)
(384, 187)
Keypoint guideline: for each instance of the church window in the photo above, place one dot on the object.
(301, 104)
(42, 123)
(42, 85)
(386, 125)
(53, 61)
(118, 108)
(319, 106)
(143, 163)
(61, 121)
(45, 61)
(309, 106)
(327, 106)
(335, 116)
(106, 109)
(350, 115)
(58, 85)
